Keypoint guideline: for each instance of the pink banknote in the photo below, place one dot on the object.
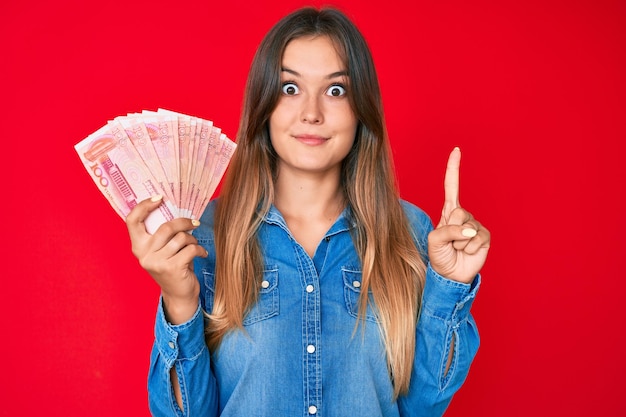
(121, 174)
(137, 156)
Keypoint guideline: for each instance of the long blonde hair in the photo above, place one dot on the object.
(392, 267)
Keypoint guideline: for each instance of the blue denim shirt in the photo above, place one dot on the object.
(300, 354)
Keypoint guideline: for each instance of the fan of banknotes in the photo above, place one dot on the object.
(140, 155)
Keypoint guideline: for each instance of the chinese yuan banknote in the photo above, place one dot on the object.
(137, 156)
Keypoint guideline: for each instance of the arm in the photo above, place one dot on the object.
(180, 381)
(447, 338)
(446, 343)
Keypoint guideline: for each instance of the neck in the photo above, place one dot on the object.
(310, 196)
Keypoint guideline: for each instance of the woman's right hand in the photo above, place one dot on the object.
(167, 256)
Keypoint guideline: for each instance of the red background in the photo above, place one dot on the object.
(532, 91)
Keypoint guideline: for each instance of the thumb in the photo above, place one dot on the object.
(135, 221)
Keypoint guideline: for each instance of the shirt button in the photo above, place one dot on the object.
(356, 284)
(265, 284)
(309, 288)
(312, 409)
(171, 345)
(310, 348)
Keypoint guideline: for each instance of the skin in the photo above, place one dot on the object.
(459, 244)
(313, 126)
(312, 131)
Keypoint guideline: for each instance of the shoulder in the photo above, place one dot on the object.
(209, 212)
(204, 232)
(417, 218)
(419, 223)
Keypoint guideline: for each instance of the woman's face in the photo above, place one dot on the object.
(313, 126)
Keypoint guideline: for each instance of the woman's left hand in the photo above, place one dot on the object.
(458, 246)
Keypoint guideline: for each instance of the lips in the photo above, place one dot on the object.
(311, 140)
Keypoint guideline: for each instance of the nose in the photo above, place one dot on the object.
(312, 111)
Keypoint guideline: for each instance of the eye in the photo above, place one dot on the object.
(290, 89)
(336, 90)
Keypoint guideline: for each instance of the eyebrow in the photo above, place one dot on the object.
(329, 76)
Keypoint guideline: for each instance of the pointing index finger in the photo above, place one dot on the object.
(451, 183)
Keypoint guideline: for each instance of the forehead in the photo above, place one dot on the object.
(313, 52)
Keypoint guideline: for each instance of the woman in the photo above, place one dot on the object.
(318, 290)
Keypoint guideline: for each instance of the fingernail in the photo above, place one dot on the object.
(469, 232)
(195, 222)
(156, 198)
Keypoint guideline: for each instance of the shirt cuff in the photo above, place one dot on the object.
(447, 299)
(181, 341)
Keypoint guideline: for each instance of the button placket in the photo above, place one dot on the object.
(311, 333)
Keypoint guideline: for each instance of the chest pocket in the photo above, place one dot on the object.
(352, 292)
(267, 304)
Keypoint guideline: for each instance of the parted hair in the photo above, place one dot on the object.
(392, 268)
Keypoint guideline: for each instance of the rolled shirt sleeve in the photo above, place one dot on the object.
(183, 347)
(445, 317)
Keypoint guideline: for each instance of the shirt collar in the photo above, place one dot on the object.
(343, 223)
